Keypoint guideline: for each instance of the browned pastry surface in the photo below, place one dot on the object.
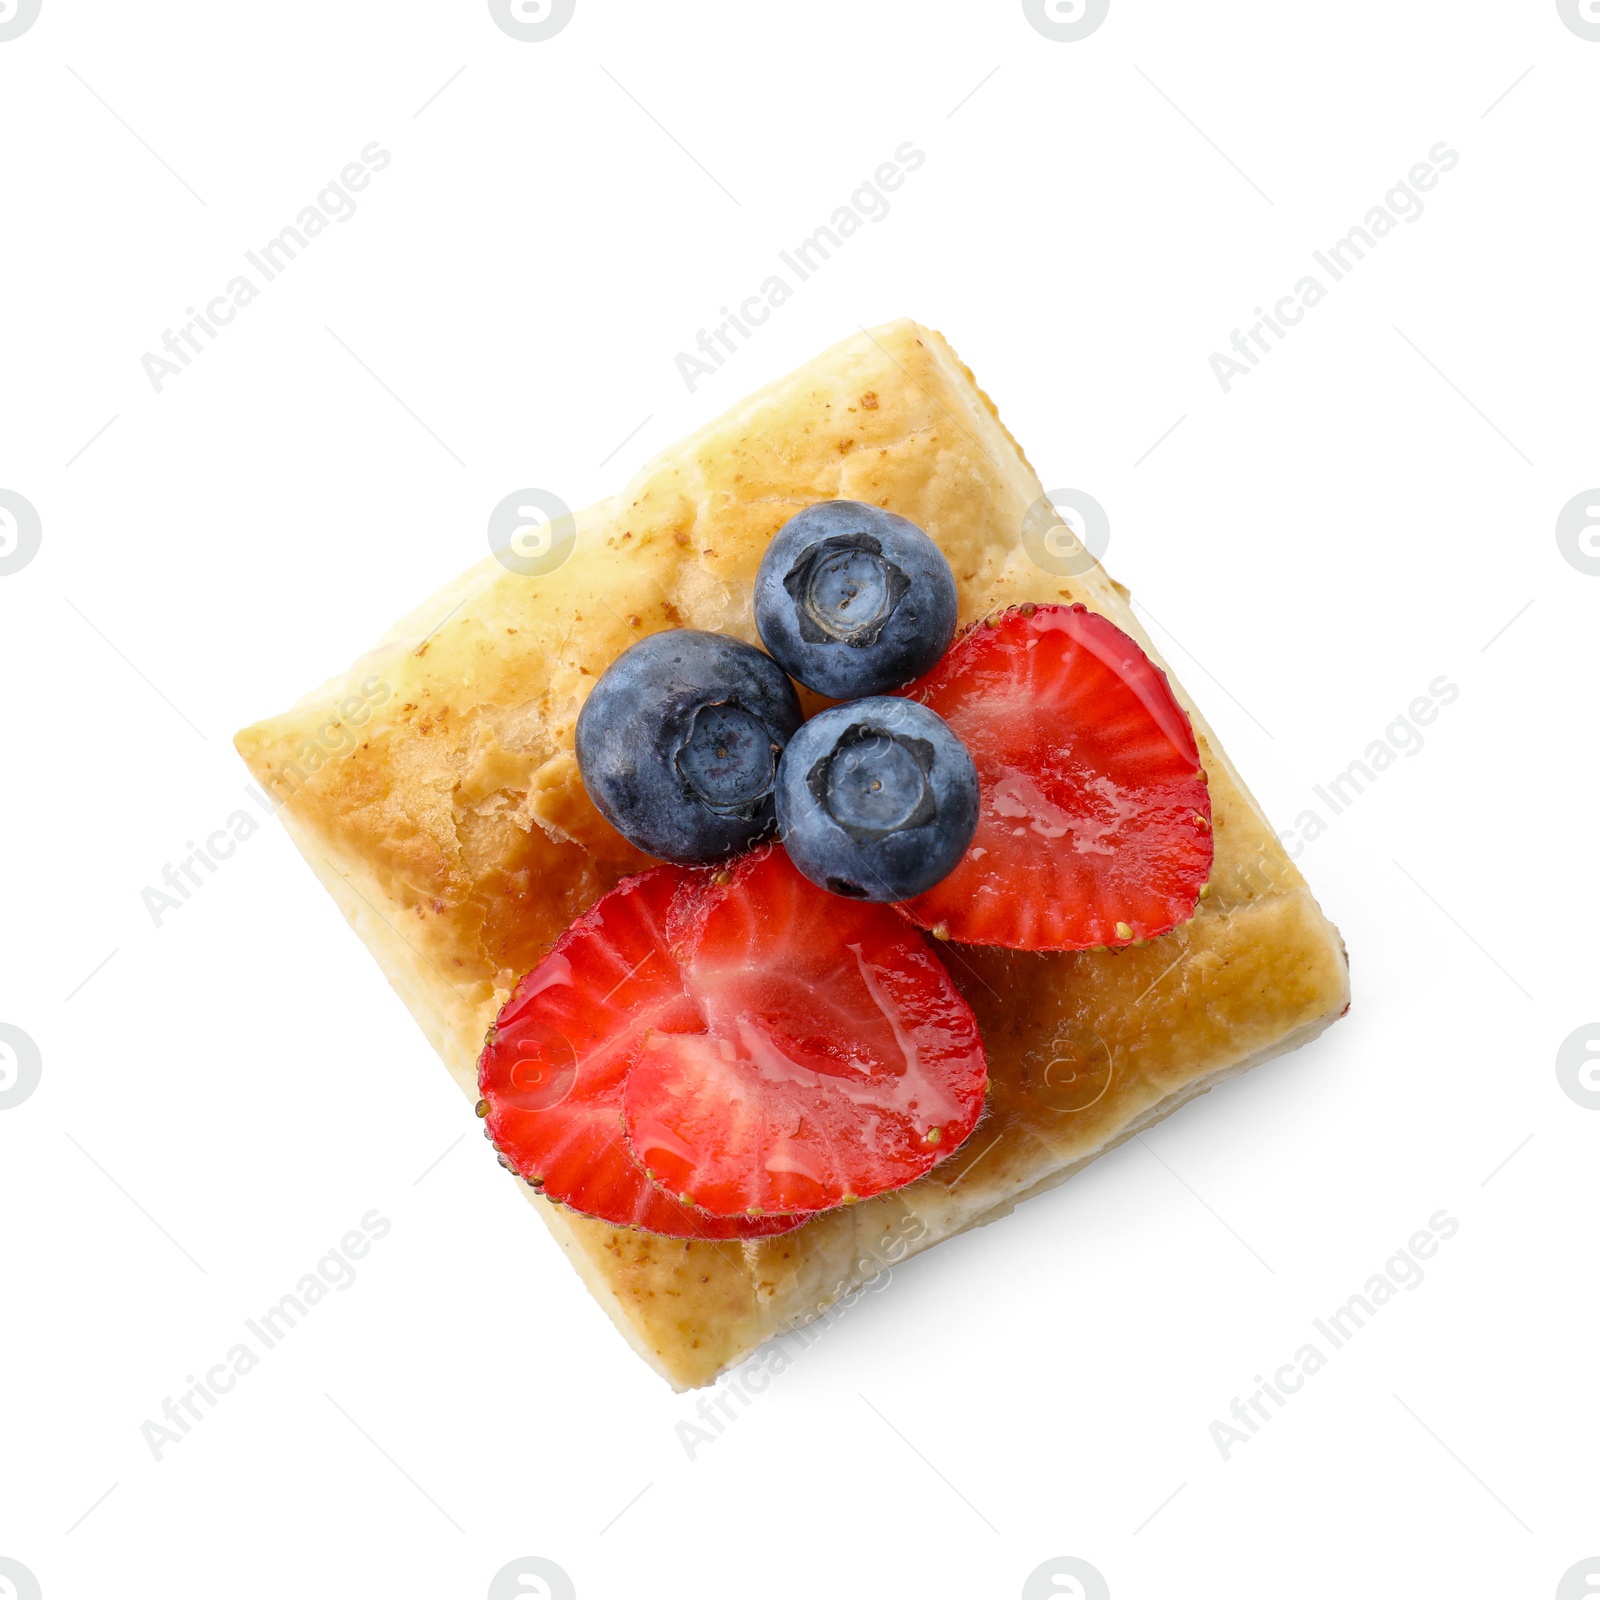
(457, 837)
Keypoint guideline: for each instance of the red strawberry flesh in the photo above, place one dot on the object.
(836, 1059)
(553, 1069)
(1094, 822)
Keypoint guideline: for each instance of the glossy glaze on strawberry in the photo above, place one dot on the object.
(552, 1072)
(695, 1056)
(1094, 820)
(837, 1060)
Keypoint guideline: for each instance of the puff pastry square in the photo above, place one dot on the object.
(454, 832)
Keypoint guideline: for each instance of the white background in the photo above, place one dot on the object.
(1374, 506)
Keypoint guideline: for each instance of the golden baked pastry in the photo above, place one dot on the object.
(434, 791)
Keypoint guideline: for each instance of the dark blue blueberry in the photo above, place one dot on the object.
(877, 799)
(853, 600)
(678, 743)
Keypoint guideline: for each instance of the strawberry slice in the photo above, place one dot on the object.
(1094, 823)
(551, 1074)
(835, 1060)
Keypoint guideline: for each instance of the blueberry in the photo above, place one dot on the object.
(678, 743)
(853, 600)
(877, 799)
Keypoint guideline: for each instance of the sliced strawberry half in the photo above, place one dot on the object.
(552, 1071)
(835, 1059)
(1094, 823)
